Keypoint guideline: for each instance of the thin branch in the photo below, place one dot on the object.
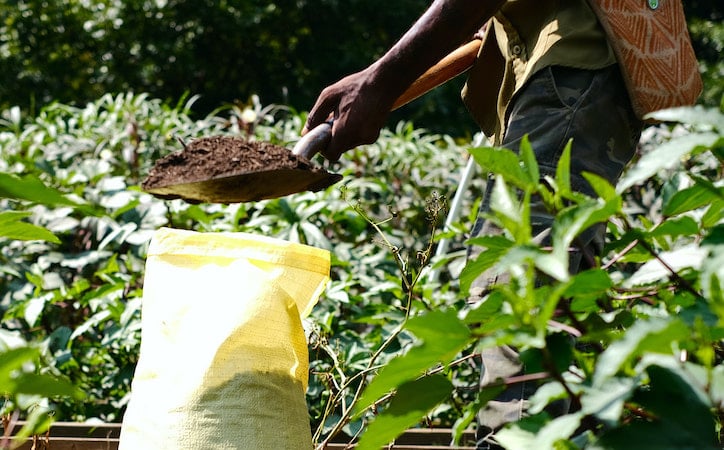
(620, 254)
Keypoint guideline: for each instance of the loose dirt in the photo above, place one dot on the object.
(230, 169)
(220, 156)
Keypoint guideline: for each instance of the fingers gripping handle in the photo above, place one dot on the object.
(313, 142)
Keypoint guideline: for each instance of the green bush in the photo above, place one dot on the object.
(77, 171)
(648, 316)
(652, 330)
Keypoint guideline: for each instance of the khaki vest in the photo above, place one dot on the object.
(651, 45)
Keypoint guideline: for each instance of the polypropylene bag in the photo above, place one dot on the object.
(223, 361)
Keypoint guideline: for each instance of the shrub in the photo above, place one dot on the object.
(649, 312)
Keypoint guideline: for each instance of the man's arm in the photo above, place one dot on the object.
(361, 102)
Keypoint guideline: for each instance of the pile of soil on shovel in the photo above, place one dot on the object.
(221, 156)
(228, 169)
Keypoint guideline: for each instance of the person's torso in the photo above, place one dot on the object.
(534, 34)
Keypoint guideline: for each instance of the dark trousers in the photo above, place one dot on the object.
(557, 104)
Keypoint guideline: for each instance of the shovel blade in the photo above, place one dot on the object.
(228, 169)
(248, 187)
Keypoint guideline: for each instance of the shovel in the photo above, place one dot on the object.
(228, 169)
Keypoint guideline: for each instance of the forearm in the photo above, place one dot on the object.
(441, 29)
(361, 102)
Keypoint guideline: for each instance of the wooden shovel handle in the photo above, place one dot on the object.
(457, 62)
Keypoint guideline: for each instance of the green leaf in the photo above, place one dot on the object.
(412, 401)
(715, 236)
(549, 298)
(606, 400)
(563, 171)
(573, 220)
(521, 255)
(585, 288)
(676, 260)
(653, 335)
(504, 162)
(560, 348)
(701, 194)
(498, 322)
(442, 336)
(712, 270)
(601, 186)
(665, 156)
(553, 264)
(713, 215)
(505, 205)
(45, 385)
(530, 164)
(31, 189)
(590, 282)
(13, 227)
(496, 247)
(12, 360)
(485, 310)
(680, 419)
(482, 397)
(681, 226)
(522, 436)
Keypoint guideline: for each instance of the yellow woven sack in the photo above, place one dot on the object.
(224, 361)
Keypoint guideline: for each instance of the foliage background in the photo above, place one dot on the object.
(284, 51)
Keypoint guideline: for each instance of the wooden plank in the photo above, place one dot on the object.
(72, 443)
(399, 447)
(82, 436)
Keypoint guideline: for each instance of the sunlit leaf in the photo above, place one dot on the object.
(504, 203)
(14, 359)
(31, 189)
(601, 186)
(574, 220)
(681, 226)
(13, 227)
(696, 115)
(653, 335)
(563, 171)
(505, 163)
(442, 335)
(412, 401)
(520, 435)
(663, 157)
(702, 193)
(530, 164)
(661, 267)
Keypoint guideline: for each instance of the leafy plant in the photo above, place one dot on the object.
(26, 384)
(647, 316)
(78, 295)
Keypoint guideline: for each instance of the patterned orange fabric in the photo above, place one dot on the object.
(653, 47)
